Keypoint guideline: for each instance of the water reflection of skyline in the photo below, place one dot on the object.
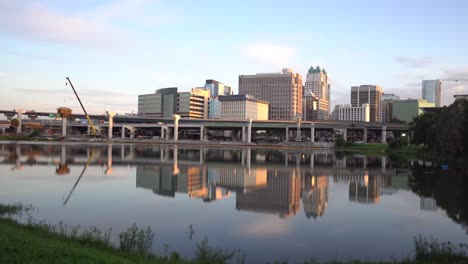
(270, 182)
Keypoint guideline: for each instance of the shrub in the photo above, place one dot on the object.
(136, 240)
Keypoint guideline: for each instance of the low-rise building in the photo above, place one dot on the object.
(161, 103)
(406, 110)
(460, 96)
(243, 106)
(352, 113)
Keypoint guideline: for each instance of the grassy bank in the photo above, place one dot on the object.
(20, 244)
(38, 242)
(25, 138)
(366, 149)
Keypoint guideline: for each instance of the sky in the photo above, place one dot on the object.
(113, 50)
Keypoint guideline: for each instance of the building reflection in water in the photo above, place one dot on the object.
(314, 195)
(263, 181)
(281, 195)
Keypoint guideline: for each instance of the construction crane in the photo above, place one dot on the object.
(455, 80)
(93, 129)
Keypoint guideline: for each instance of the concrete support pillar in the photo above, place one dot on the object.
(287, 134)
(244, 136)
(88, 130)
(345, 134)
(176, 127)
(63, 155)
(365, 135)
(202, 133)
(175, 169)
(365, 162)
(249, 153)
(161, 154)
(384, 164)
(286, 159)
(384, 134)
(123, 132)
(312, 160)
(312, 133)
(109, 159)
(202, 155)
(19, 116)
(64, 126)
(18, 156)
(298, 130)
(163, 132)
(249, 134)
(243, 157)
(122, 151)
(111, 123)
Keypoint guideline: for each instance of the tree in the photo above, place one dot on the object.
(14, 123)
(443, 131)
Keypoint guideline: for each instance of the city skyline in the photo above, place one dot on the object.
(115, 50)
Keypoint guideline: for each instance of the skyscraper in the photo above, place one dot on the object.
(368, 94)
(431, 91)
(283, 91)
(317, 82)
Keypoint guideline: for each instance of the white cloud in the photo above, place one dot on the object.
(98, 28)
(44, 24)
(415, 62)
(271, 54)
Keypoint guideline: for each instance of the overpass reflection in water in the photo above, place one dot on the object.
(263, 181)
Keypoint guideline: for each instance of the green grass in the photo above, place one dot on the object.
(406, 151)
(20, 244)
(366, 149)
(24, 138)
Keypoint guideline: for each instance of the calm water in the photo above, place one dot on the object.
(273, 204)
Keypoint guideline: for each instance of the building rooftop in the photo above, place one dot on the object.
(240, 97)
(316, 70)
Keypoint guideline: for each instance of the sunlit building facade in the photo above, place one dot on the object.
(243, 107)
(282, 90)
(368, 94)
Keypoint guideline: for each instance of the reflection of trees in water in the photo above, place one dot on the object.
(448, 188)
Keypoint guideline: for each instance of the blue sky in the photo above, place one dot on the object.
(114, 50)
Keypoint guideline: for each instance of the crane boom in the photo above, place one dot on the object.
(93, 129)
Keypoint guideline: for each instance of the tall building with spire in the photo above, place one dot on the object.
(317, 83)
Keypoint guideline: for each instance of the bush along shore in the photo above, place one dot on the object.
(25, 240)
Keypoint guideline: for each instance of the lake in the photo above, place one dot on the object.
(273, 204)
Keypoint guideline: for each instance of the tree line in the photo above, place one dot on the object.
(443, 130)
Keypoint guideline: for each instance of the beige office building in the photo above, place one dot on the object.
(282, 90)
(350, 113)
(368, 94)
(193, 104)
(243, 107)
